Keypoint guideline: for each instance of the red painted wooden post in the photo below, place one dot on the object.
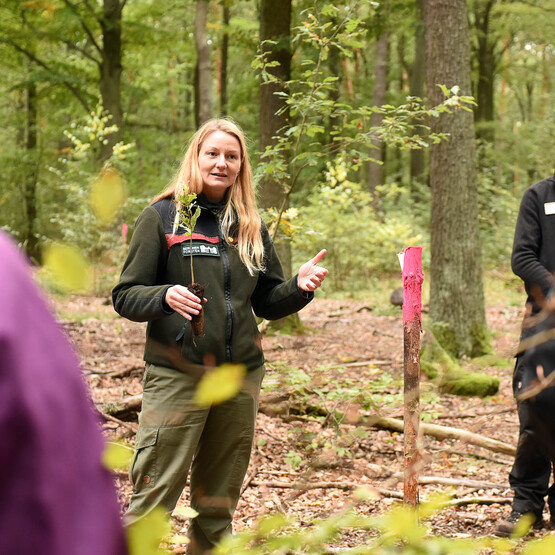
(412, 326)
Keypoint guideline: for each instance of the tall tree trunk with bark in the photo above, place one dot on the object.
(417, 83)
(275, 26)
(203, 81)
(31, 165)
(457, 306)
(485, 94)
(223, 63)
(375, 169)
(334, 64)
(110, 70)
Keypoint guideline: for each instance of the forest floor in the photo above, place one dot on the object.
(308, 466)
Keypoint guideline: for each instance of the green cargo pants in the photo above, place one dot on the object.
(176, 436)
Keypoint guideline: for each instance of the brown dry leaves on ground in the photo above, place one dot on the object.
(308, 467)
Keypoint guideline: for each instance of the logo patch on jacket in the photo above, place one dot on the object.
(200, 249)
(549, 208)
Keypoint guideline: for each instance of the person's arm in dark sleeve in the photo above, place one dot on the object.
(274, 296)
(525, 260)
(139, 296)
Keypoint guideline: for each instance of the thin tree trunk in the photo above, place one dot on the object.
(110, 71)
(223, 67)
(334, 64)
(375, 169)
(485, 110)
(417, 83)
(31, 173)
(275, 25)
(203, 89)
(457, 295)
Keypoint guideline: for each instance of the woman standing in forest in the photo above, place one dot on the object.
(235, 259)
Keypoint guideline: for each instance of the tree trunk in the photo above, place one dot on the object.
(375, 169)
(417, 82)
(203, 81)
(223, 64)
(31, 173)
(485, 111)
(110, 71)
(275, 25)
(456, 295)
(334, 64)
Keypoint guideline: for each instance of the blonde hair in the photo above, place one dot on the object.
(241, 205)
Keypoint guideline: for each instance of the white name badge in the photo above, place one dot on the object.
(549, 208)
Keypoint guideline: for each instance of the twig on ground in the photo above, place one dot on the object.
(128, 425)
(477, 414)
(477, 501)
(459, 482)
(248, 480)
(343, 312)
(485, 456)
(123, 373)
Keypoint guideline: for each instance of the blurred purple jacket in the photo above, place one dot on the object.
(56, 497)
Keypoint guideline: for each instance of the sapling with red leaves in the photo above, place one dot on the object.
(188, 214)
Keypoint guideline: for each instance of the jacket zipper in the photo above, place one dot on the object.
(227, 296)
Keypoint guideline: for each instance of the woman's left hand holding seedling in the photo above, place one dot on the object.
(183, 301)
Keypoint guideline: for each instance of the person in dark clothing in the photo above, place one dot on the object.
(57, 498)
(533, 260)
(236, 260)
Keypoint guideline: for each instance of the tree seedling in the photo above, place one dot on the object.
(188, 216)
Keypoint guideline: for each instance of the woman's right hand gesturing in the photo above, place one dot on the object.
(183, 301)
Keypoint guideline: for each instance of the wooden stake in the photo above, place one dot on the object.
(412, 326)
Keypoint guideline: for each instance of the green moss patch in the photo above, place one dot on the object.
(450, 377)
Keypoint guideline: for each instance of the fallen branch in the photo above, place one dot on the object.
(465, 454)
(344, 312)
(443, 432)
(128, 425)
(306, 485)
(511, 409)
(459, 482)
(125, 372)
(477, 500)
(249, 479)
(325, 485)
(361, 363)
(123, 407)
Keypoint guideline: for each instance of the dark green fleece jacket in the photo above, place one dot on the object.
(158, 259)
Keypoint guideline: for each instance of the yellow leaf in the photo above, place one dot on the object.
(220, 384)
(117, 456)
(107, 195)
(545, 546)
(68, 268)
(186, 512)
(144, 535)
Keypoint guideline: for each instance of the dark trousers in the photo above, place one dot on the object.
(531, 472)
